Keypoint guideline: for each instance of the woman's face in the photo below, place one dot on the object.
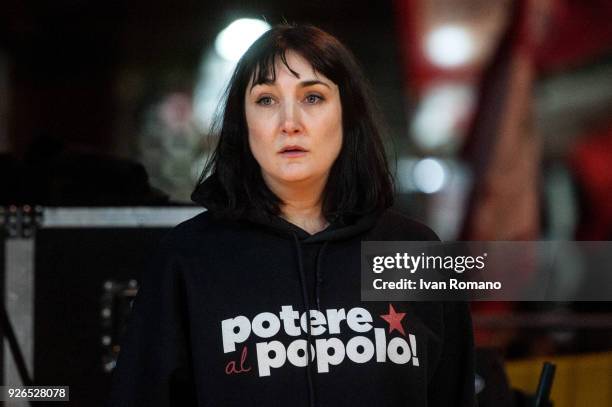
(294, 124)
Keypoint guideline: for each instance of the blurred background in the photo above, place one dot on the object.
(499, 121)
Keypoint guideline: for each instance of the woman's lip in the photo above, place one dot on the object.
(293, 153)
(292, 148)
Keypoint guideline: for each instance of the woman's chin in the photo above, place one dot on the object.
(297, 177)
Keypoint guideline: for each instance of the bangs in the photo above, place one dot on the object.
(264, 70)
(261, 68)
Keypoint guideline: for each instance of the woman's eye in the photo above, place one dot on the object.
(312, 99)
(264, 101)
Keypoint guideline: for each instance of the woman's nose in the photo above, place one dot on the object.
(290, 118)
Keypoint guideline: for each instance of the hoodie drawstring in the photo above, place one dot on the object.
(319, 276)
(311, 391)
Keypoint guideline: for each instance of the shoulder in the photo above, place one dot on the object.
(202, 230)
(393, 225)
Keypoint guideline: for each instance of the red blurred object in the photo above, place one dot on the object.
(563, 34)
(501, 148)
(578, 32)
(591, 162)
(413, 26)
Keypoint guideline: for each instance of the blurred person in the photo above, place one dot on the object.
(257, 300)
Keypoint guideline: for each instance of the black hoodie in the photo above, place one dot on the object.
(220, 320)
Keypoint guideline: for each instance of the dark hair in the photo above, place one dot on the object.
(359, 181)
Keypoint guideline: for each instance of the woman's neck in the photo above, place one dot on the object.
(302, 206)
(306, 216)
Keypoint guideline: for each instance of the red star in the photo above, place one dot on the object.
(395, 320)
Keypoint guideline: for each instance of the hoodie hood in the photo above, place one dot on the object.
(340, 228)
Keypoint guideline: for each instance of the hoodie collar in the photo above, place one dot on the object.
(338, 229)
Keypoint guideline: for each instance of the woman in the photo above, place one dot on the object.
(298, 180)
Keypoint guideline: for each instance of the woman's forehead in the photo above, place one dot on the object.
(290, 63)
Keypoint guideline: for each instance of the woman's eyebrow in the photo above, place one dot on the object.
(303, 84)
(269, 82)
(312, 82)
